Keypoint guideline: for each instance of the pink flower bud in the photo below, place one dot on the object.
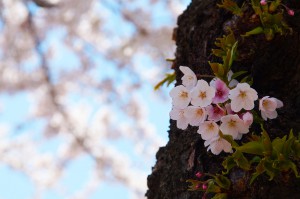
(247, 118)
(291, 12)
(204, 186)
(197, 186)
(263, 2)
(199, 174)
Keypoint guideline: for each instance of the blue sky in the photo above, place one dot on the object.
(14, 109)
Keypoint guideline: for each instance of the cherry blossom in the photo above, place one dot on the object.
(208, 130)
(217, 145)
(215, 112)
(189, 78)
(179, 116)
(291, 12)
(268, 106)
(195, 115)
(202, 94)
(263, 2)
(247, 118)
(242, 97)
(65, 53)
(180, 96)
(199, 174)
(222, 91)
(233, 125)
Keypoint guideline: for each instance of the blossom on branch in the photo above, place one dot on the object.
(195, 115)
(233, 125)
(247, 118)
(222, 91)
(208, 130)
(180, 96)
(217, 145)
(202, 94)
(268, 106)
(242, 97)
(179, 116)
(215, 112)
(189, 78)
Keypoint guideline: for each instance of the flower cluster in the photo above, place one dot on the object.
(215, 108)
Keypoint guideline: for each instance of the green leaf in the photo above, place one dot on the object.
(296, 148)
(231, 6)
(237, 74)
(228, 164)
(270, 170)
(294, 168)
(212, 188)
(256, 6)
(232, 54)
(218, 52)
(274, 4)
(255, 159)
(248, 79)
(225, 43)
(254, 147)
(220, 196)
(259, 170)
(267, 144)
(218, 69)
(269, 33)
(223, 181)
(168, 79)
(255, 31)
(287, 146)
(241, 160)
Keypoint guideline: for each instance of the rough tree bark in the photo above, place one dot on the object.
(275, 67)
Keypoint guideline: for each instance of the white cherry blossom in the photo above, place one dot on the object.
(208, 130)
(181, 96)
(242, 97)
(189, 78)
(195, 115)
(202, 94)
(268, 106)
(179, 116)
(233, 125)
(217, 145)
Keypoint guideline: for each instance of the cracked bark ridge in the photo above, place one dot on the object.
(275, 68)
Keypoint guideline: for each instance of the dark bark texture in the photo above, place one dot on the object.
(275, 67)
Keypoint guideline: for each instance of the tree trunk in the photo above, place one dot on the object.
(275, 67)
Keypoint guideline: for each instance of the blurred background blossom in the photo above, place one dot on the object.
(78, 114)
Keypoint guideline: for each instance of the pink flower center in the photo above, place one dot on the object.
(199, 112)
(242, 94)
(210, 126)
(265, 104)
(190, 77)
(202, 95)
(219, 93)
(183, 94)
(231, 123)
(217, 110)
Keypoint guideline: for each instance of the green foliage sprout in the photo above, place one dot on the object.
(271, 157)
